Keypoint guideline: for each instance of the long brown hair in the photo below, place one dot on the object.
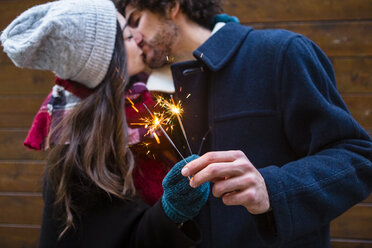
(92, 146)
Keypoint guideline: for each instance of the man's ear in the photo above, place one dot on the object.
(174, 10)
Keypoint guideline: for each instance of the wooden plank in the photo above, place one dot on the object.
(304, 10)
(353, 75)
(21, 104)
(350, 243)
(17, 176)
(335, 38)
(30, 105)
(16, 81)
(11, 146)
(356, 223)
(360, 107)
(14, 120)
(15, 107)
(19, 237)
(21, 209)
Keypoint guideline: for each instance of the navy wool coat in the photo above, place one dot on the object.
(272, 94)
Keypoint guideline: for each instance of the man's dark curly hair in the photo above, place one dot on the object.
(199, 11)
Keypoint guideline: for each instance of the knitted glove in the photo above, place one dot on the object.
(180, 201)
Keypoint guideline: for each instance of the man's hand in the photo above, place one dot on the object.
(235, 179)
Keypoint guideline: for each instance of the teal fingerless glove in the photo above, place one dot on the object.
(180, 201)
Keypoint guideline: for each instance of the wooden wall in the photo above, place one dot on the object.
(21, 93)
(343, 29)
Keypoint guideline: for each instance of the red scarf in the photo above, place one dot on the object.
(153, 161)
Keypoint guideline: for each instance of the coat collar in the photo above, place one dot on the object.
(221, 46)
(215, 53)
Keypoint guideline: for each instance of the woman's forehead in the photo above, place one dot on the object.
(121, 20)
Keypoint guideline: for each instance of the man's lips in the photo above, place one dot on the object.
(146, 49)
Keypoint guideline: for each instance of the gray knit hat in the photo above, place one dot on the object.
(73, 38)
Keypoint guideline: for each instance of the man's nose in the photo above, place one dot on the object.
(138, 38)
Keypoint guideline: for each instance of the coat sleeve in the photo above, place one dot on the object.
(117, 223)
(48, 233)
(334, 170)
(157, 230)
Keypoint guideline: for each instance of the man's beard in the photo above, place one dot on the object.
(161, 44)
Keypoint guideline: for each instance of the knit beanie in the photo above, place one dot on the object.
(73, 38)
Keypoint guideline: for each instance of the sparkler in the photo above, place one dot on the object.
(157, 121)
(177, 110)
(174, 110)
(158, 125)
(166, 135)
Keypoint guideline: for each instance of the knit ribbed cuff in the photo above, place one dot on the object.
(173, 213)
(100, 42)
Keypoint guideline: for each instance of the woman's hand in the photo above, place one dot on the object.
(180, 201)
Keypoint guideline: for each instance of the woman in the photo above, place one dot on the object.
(89, 193)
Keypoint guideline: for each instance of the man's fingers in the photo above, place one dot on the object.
(198, 164)
(233, 198)
(222, 187)
(250, 198)
(217, 171)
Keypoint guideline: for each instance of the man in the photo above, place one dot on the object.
(284, 153)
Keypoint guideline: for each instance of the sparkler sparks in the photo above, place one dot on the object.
(157, 120)
(173, 109)
(132, 103)
(158, 125)
(152, 124)
(166, 135)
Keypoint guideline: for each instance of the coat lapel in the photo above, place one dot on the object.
(221, 46)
